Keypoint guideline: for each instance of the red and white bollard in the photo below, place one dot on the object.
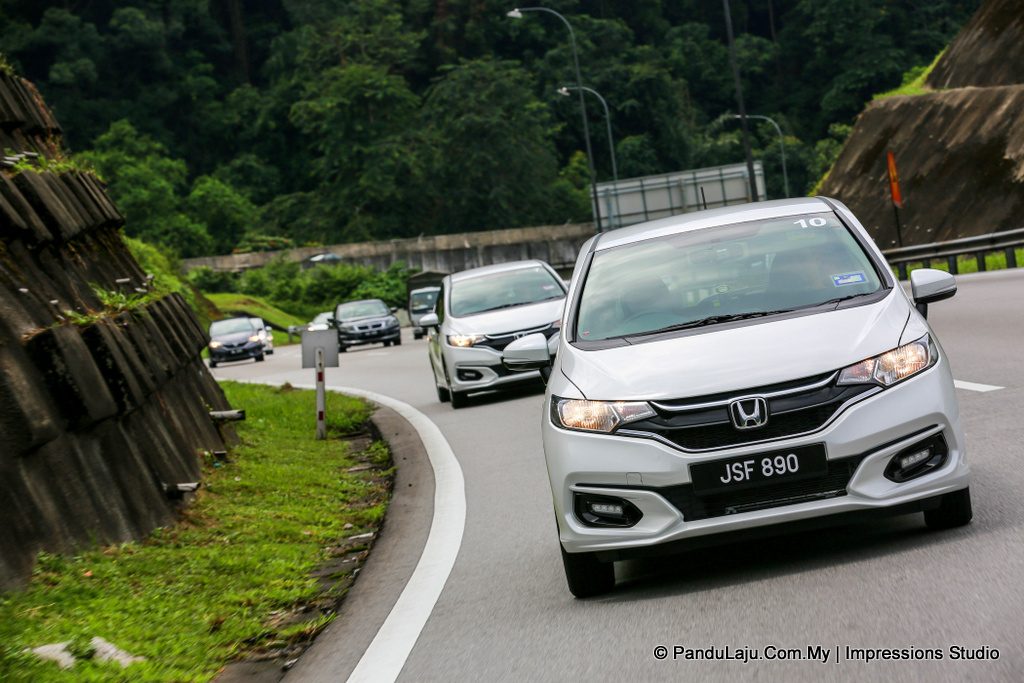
(321, 398)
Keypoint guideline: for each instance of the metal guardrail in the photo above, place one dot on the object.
(978, 247)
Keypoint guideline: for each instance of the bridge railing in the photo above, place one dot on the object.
(1007, 242)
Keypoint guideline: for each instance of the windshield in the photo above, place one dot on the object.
(361, 309)
(703, 277)
(504, 290)
(421, 302)
(232, 326)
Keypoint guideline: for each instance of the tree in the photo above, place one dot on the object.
(146, 183)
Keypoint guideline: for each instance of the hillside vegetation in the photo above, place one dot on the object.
(222, 124)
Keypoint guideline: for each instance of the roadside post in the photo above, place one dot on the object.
(895, 193)
(320, 351)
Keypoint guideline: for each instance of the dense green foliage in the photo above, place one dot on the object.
(308, 292)
(221, 124)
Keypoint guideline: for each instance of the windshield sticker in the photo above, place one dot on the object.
(849, 279)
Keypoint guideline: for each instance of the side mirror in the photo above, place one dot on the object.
(527, 353)
(269, 328)
(394, 309)
(429, 320)
(928, 285)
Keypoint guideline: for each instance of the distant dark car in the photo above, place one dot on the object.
(366, 322)
(235, 339)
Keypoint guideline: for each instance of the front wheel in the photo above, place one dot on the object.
(342, 348)
(443, 395)
(213, 363)
(586, 575)
(259, 358)
(397, 342)
(954, 510)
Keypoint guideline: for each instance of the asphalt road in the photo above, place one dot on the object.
(505, 613)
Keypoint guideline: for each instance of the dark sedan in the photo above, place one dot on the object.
(234, 339)
(366, 322)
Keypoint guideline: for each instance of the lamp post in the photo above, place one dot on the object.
(782, 146)
(517, 13)
(739, 101)
(564, 90)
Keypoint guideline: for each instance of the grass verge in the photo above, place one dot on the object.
(243, 304)
(967, 263)
(234, 578)
(913, 81)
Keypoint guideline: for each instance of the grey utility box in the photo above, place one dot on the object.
(320, 339)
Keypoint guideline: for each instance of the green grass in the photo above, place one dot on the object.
(913, 81)
(230, 303)
(201, 593)
(968, 264)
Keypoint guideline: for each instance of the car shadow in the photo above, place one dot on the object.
(789, 553)
(534, 388)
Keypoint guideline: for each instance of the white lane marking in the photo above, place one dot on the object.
(974, 386)
(385, 656)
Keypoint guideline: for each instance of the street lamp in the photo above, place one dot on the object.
(739, 101)
(564, 90)
(782, 145)
(517, 13)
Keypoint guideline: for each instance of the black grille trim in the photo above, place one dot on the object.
(710, 428)
(499, 342)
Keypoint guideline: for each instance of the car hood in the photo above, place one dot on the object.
(233, 338)
(507, 320)
(743, 357)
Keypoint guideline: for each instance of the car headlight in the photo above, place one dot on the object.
(598, 416)
(892, 366)
(465, 340)
(255, 338)
(393, 322)
(215, 345)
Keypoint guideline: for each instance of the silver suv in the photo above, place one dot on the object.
(727, 372)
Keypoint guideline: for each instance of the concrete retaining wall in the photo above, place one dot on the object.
(556, 244)
(96, 418)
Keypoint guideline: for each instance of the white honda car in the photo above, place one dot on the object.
(478, 313)
(725, 373)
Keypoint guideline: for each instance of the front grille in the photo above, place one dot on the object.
(831, 485)
(498, 342)
(706, 427)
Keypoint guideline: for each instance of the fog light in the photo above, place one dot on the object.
(604, 511)
(908, 461)
(918, 460)
(607, 509)
(469, 375)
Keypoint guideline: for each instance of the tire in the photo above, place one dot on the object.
(259, 358)
(270, 352)
(417, 335)
(459, 399)
(586, 575)
(443, 395)
(397, 342)
(213, 363)
(386, 344)
(342, 348)
(954, 510)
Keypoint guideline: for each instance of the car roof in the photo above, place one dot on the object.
(710, 218)
(496, 268)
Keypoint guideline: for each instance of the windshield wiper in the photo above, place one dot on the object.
(838, 299)
(710, 320)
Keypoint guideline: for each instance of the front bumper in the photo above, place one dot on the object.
(225, 354)
(466, 363)
(635, 469)
(369, 336)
